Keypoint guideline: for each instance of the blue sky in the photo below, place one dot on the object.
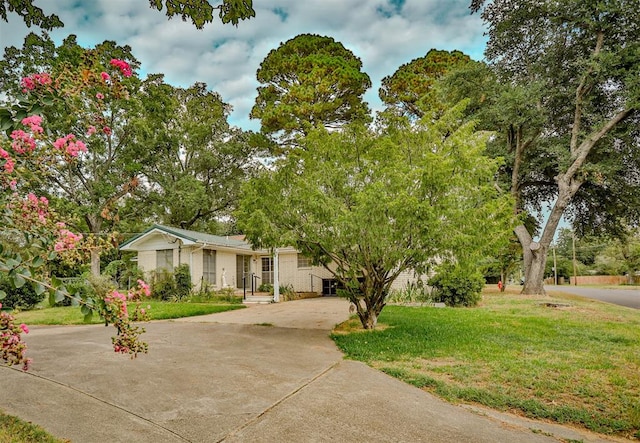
(384, 34)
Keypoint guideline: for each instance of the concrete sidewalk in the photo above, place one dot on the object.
(223, 377)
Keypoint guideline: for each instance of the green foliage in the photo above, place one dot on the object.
(309, 81)
(24, 297)
(182, 277)
(224, 295)
(124, 272)
(200, 161)
(413, 292)
(265, 287)
(30, 13)
(163, 285)
(201, 11)
(410, 90)
(379, 204)
(456, 286)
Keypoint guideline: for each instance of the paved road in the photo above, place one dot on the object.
(623, 297)
(254, 375)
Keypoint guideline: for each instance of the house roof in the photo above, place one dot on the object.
(187, 237)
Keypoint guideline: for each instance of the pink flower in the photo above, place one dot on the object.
(33, 122)
(91, 130)
(9, 165)
(145, 287)
(4, 154)
(24, 328)
(22, 142)
(105, 76)
(124, 67)
(32, 81)
(106, 130)
(13, 185)
(70, 145)
(99, 96)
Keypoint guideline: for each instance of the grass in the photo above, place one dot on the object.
(158, 310)
(576, 364)
(14, 430)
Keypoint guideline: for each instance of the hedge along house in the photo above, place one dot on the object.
(227, 262)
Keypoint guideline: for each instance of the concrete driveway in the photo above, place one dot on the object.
(263, 374)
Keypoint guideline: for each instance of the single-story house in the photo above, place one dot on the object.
(230, 262)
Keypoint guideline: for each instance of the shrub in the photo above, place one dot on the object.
(455, 286)
(124, 272)
(163, 285)
(413, 292)
(182, 277)
(265, 287)
(24, 297)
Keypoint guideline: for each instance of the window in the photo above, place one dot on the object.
(267, 271)
(209, 266)
(304, 262)
(164, 259)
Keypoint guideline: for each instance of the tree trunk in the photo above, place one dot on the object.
(94, 223)
(95, 262)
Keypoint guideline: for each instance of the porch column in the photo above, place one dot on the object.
(276, 279)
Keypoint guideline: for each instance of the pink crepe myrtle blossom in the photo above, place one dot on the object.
(70, 145)
(22, 142)
(32, 81)
(91, 130)
(100, 96)
(66, 240)
(124, 67)
(144, 287)
(106, 130)
(9, 166)
(105, 76)
(24, 328)
(33, 122)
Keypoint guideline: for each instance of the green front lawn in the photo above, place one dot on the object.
(158, 310)
(576, 364)
(14, 430)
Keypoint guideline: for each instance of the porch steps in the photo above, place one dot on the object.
(258, 298)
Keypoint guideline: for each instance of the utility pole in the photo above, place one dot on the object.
(555, 267)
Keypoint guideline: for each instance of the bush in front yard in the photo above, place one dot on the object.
(163, 285)
(182, 277)
(455, 286)
(24, 297)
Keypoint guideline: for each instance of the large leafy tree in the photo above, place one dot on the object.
(200, 161)
(200, 12)
(410, 90)
(307, 82)
(573, 67)
(95, 101)
(369, 207)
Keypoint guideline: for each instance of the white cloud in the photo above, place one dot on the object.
(227, 57)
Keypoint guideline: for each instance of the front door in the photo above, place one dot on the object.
(243, 263)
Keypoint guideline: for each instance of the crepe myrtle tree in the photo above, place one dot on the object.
(32, 234)
(368, 206)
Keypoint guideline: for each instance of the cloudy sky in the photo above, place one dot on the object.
(384, 34)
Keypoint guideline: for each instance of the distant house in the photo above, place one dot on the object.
(220, 262)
